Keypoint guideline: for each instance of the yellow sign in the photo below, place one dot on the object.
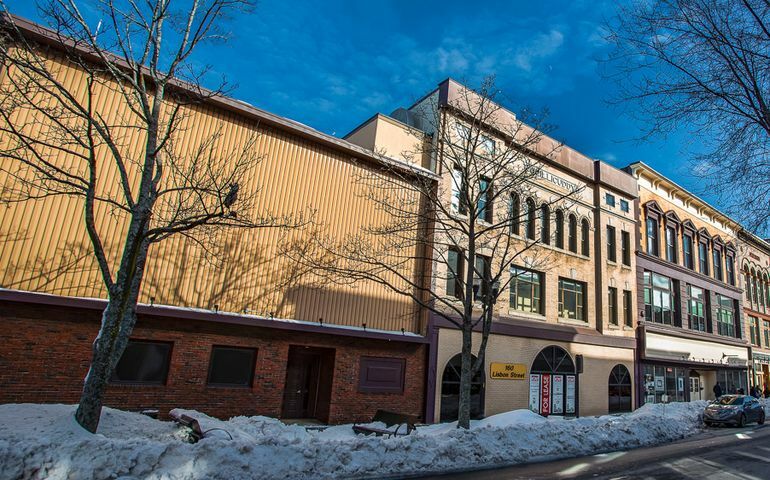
(508, 371)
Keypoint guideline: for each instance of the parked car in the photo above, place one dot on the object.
(734, 409)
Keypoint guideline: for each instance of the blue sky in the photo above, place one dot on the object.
(332, 64)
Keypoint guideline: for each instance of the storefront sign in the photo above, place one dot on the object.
(545, 394)
(759, 358)
(557, 402)
(556, 180)
(570, 394)
(534, 392)
(508, 371)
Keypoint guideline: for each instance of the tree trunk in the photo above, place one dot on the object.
(464, 410)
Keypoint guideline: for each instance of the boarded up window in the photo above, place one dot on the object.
(381, 375)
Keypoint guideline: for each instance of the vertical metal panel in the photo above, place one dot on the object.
(295, 175)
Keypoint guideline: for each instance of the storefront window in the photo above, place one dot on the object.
(663, 384)
(696, 310)
(725, 315)
(659, 297)
(732, 380)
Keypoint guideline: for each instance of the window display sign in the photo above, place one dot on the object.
(534, 392)
(660, 383)
(557, 402)
(680, 384)
(570, 394)
(507, 371)
(545, 394)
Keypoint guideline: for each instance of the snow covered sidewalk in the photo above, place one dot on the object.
(43, 441)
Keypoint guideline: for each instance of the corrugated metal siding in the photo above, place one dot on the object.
(40, 238)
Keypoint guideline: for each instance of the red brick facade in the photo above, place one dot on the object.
(45, 353)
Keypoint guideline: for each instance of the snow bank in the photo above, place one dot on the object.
(43, 441)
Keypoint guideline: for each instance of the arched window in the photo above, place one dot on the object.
(531, 213)
(584, 243)
(559, 229)
(514, 213)
(572, 233)
(754, 292)
(747, 283)
(553, 367)
(450, 391)
(619, 386)
(545, 224)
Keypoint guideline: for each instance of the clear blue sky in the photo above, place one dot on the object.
(332, 64)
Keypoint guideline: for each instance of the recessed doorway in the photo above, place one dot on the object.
(308, 388)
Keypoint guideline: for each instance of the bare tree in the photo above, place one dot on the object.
(64, 138)
(702, 66)
(478, 209)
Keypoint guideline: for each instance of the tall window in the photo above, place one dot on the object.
(696, 310)
(526, 290)
(515, 212)
(612, 247)
(459, 202)
(754, 289)
(454, 283)
(612, 305)
(484, 206)
(652, 236)
(572, 233)
(659, 296)
(717, 254)
(703, 257)
(725, 316)
(747, 286)
(671, 244)
(530, 221)
(545, 224)
(481, 277)
(584, 242)
(766, 331)
(754, 331)
(730, 268)
(687, 251)
(625, 247)
(572, 298)
(559, 229)
(628, 312)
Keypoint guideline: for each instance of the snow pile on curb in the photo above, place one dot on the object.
(43, 441)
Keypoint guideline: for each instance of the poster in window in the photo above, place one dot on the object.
(660, 384)
(650, 399)
(557, 400)
(545, 394)
(680, 384)
(534, 392)
(570, 394)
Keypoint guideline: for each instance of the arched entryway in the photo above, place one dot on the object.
(619, 386)
(450, 391)
(553, 383)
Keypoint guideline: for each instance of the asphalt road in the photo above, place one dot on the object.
(719, 453)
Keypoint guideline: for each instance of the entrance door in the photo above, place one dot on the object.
(695, 388)
(307, 392)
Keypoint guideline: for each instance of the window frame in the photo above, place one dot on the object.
(458, 277)
(671, 237)
(625, 247)
(484, 211)
(113, 380)
(612, 245)
(652, 233)
(580, 294)
(559, 217)
(572, 233)
(535, 286)
(693, 305)
(624, 206)
(612, 306)
(653, 292)
(628, 319)
(609, 199)
(726, 328)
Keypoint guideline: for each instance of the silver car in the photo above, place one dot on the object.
(734, 410)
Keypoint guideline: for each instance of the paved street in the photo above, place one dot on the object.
(719, 453)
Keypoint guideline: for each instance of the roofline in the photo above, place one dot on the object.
(51, 38)
(641, 165)
(223, 318)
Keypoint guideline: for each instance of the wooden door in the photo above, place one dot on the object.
(301, 388)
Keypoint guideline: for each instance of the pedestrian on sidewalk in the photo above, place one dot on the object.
(717, 390)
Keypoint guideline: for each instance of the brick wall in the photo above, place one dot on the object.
(45, 353)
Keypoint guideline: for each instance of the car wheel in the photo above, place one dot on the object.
(761, 420)
(742, 420)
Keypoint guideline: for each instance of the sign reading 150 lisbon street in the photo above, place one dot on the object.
(508, 371)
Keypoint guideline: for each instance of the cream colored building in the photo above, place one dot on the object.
(691, 335)
(754, 261)
(572, 334)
